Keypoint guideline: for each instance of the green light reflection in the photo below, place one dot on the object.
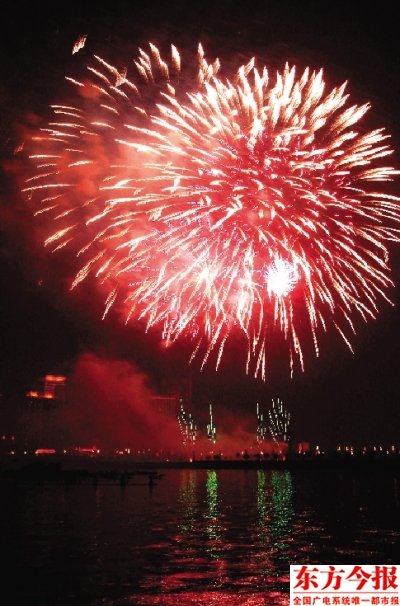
(188, 503)
(212, 515)
(282, 508)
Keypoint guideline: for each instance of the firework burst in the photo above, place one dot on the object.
(234, 204)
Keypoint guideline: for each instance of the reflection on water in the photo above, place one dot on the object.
(212, 515)
(188, 502)
(200, 537)
(272, 532)
(282, 508)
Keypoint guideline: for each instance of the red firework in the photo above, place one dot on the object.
(235, 204)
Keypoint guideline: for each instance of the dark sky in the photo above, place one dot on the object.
(340, 396)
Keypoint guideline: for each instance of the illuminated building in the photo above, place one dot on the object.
(42, 423)
(167, 405)
(50, 387)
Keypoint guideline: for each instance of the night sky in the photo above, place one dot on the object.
(340, 397)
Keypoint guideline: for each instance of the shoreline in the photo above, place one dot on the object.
(59, 465)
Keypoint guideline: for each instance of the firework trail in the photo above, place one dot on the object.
(279, 422)
(211, 428)
(261, 430)
(187, 427)
(245, 204)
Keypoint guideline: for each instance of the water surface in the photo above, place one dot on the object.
(199, 537)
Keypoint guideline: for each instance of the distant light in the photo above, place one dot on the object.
(55, 378)
(90, 450)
